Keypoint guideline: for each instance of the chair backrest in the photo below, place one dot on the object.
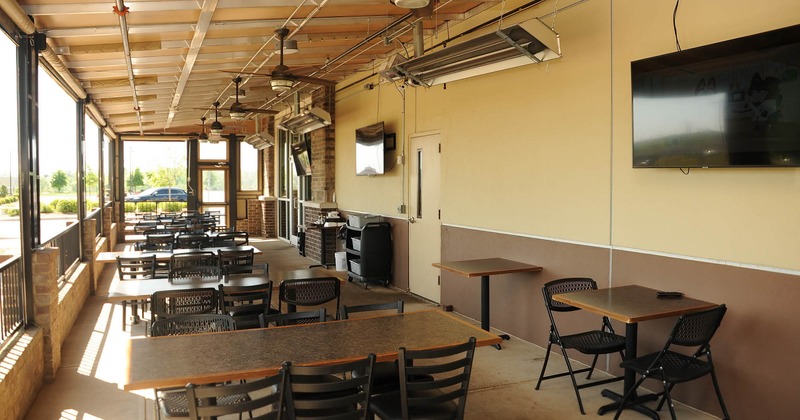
(697, 328)
(235, 238)
(144, 225)
(203, 273)
(309, 292)
(292, 318)
(158, 242)
(235, 256)
(136, 267)
(267, 393)
(451, 366)
(191, 240)
(566, 285)
(169, 303)
(245, 299)
(311, 394)
(347, 310)
(192, 324)
(233, 270)
(194, 258)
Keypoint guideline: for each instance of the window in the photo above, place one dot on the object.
(9, 150)
(91, 165)
(107, 153)
(217, 152)
(58, 157)
(248, 167)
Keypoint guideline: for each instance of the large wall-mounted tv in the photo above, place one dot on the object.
(369, 150)
(301, 154)
(731, 104)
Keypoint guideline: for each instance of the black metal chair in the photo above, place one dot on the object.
(129, 268)
(309, 292)
(169, 303)
(246, 303)
(234, 256)
(594, 342)
(157, 242)
(192, 324)
(293, 318)
(192, 241)
(445, 397)
(243, 270)
(212, 401)
(194, 274)
(328, 392)
(231, 239)
(693, 330)
(386, 375)
(174, 402)
(193, 259)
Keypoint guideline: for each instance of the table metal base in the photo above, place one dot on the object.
(634, 404)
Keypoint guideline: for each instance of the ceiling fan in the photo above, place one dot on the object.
(203, 136)
(238, 111)
(281, 79)
(216, 126)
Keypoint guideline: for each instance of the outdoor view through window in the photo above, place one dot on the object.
(9, 184)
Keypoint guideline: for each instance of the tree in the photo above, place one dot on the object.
(135, 180)
(3, 191)
(90, 180)
(58, 180)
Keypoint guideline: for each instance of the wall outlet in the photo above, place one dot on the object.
(401, 208)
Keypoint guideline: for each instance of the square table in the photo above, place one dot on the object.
(484, 268)
(631, 305)
(106, 257)
(174, 361)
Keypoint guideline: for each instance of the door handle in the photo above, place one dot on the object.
(411, 219)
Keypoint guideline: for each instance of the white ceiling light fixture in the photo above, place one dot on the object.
(281, 85)
(306, 121)
(410, 4)
(528, 42)
(289, 46)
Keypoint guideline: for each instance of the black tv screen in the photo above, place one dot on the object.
(301, 154)
(369, 150)
(730, 104)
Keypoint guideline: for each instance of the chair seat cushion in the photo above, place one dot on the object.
(594, 342)
(387, 406)
(676, 367)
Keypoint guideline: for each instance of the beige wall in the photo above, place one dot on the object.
(550, 143)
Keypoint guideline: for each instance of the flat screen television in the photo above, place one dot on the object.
(369, 150)
(730, 104)
(301, 154)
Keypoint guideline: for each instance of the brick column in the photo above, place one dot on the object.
(45, 305)
(269, 217)
(89, 233)
(120, 207)
(108, 220)
(323, 148)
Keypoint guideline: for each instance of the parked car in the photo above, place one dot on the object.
(158, 194)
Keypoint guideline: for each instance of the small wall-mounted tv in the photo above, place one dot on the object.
(369, 150)
(730, 104)
(301, 154)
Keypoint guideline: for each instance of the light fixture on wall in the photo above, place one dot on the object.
(261, 139)
(528, 42)
(306, 121)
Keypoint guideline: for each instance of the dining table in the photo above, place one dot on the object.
(174, 361)
(484, 268)
(631, 304)
(106, 257)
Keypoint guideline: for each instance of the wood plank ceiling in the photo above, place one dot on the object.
(182, 51)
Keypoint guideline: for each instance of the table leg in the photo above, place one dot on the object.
(631, 339)
(485, 309)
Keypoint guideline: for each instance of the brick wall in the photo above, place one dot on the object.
(323, 146)
(314, 236)
(22, 374)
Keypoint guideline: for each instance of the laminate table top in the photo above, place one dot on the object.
(631, 304)
(157, 362)
(486, 267)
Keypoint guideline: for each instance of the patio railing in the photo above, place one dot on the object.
(12, 298)
(69, 250)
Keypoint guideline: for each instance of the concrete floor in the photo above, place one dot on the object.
(501, 387)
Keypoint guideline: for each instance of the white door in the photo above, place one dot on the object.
(425, 231)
